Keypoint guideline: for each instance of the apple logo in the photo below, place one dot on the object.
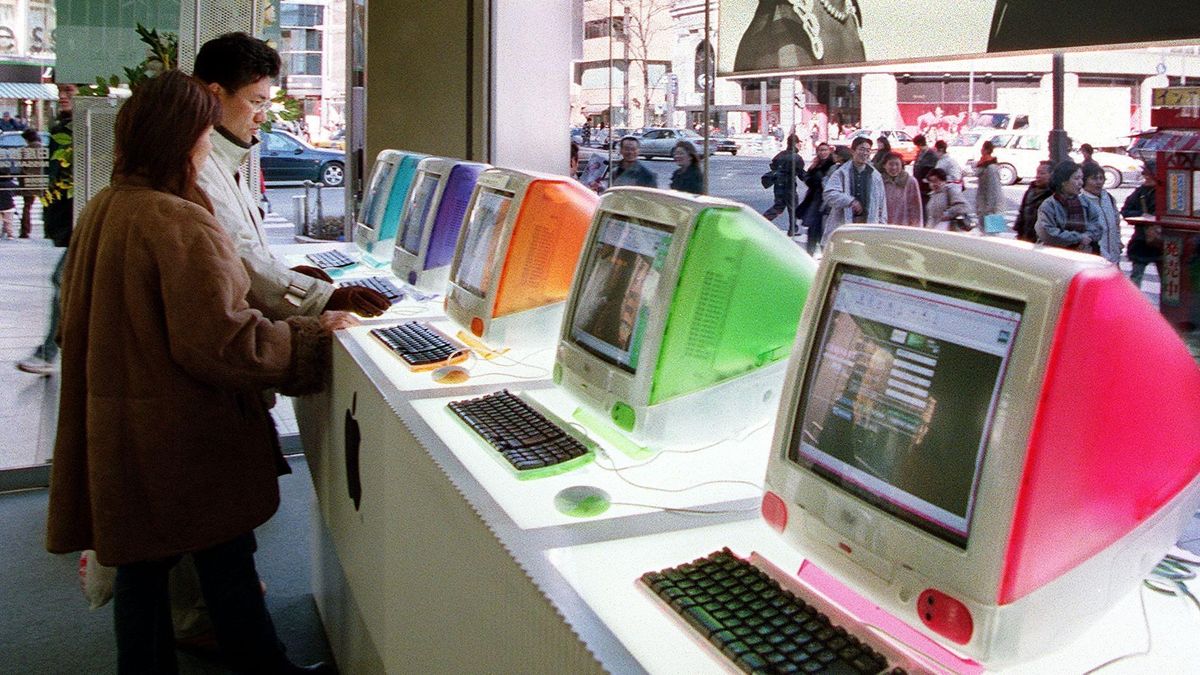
(352, 440)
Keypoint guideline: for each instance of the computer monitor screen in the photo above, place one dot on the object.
(417, 212)
(901, 392)
(483, 228)
(374, 200)
(620, 285)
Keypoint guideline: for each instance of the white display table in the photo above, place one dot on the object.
(448, 563)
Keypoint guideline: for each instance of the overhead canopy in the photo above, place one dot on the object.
(28, 90)
(769, 36)
(1166, 140)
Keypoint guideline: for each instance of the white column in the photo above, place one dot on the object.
(1145, 97)
(789, 115)
(879, 110)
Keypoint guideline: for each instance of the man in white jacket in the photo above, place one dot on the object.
(854, 191)
(239, 69)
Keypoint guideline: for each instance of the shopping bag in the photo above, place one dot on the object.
(993, 223)
(95, 580)
(767, 179)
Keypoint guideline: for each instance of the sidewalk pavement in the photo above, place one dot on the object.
(29, 403)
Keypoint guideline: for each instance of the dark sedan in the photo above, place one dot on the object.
(287, 158)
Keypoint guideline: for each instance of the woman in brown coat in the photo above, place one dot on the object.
(165, 445)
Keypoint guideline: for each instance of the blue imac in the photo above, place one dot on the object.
(383, 202)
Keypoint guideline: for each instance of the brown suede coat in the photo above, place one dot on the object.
(164, 442)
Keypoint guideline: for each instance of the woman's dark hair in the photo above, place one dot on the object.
(842, 154)
(987, 147)
(1091, 169)
(793, 142)
(690, 150)
(1062, 173)
(936, 173)
(893, 155)
(158, 128)
(883, 144)
(235, 60)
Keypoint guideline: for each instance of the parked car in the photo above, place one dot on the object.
(336, 140)
(600, 136)
(968, 146)
(1019, 156)
(287, 158)
(1000, 120)
(900, 141)
(660, 142)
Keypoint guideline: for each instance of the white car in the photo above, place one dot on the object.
(1020, 154)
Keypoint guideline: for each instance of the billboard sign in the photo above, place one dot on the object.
(766, 36)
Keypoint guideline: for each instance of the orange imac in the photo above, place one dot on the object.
(516, 255)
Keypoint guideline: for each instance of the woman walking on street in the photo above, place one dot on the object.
(1145, 246)
(989, 196)
(1106, 206)
(1065, 220)
(903, 195)
(688, 177)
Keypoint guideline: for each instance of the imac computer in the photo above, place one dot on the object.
(993, 442)
(516, 255)
(383, 202)
(681, 318)
(429, 229)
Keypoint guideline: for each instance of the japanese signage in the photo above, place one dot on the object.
(26, 167)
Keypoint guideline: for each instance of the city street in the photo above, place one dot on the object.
(730, 177)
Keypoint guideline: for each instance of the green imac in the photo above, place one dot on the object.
(680, 320)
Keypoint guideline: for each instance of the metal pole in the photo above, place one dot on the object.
(1060, 143)
(610, 92)
(709, 86)
(970, 95)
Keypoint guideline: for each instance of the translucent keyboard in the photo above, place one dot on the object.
(534, 445)
(420, 345)
(328, 259)
(381, 284)
(760, 626)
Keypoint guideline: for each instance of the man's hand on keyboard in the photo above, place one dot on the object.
(314, 272)
(332, 321)
(357, 299)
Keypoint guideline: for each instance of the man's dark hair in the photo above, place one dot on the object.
(30, 135)
(940, 146)
(1062, 173)
(1087, 149)
(1091, 169)
(636, 141)
(937, 173)
(235, 60)
(919, 140)
(859, 141)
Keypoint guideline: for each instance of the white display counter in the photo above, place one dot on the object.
(449, 563)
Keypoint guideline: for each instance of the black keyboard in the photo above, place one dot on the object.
(534, 445)
(760, 626)
(380, 284)
(327, 259)
(419, 344)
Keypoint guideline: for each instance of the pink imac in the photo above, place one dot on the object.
(991, 441)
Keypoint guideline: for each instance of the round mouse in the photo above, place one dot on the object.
(450, 375)
(582, 501)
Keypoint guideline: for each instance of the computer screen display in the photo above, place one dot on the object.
(620, 286)
(900, 393)
(380, 178)
(484, 226)
(417, 212)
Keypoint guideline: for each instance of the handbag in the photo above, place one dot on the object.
(993, 223)
(768, 179)
(961, 224)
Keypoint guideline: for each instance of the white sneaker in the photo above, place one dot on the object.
(37, 365)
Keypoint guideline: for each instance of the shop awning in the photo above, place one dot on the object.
(28, 90)
(1165, 140)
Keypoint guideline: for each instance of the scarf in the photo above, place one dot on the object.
(1076, 220)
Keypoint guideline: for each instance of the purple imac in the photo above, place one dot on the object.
(429, 231)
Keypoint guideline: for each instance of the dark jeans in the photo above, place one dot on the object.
(814, 225)
(784, 203)
(229, 582)
(27, 216)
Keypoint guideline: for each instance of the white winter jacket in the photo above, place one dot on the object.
(274, 288)
(838, 199)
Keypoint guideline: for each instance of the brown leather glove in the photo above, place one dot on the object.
(314, 272)
(357, 299)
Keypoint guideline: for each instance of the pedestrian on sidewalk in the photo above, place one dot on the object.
(688, 177)
(1065, 220)
(989, 195)
(812, 208)
(854, 191)
(787, 168)
(1145, 246)
(903, 195)
(57, 216)
(1035, 194)
(1104, 203)
(32, 140)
